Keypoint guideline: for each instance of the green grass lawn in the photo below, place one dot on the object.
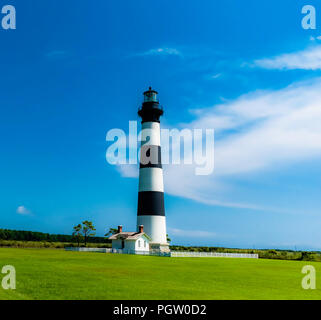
(56, 274)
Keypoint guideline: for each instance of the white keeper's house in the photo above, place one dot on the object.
(131, 242)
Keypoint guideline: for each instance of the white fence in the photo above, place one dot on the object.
(119, 251)
(143, 253)
(101, 250)
(174, 254)
(185, 254)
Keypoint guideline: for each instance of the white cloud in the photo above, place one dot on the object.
(128, 170)
(258, 132)
(161, 51)
(272, 127)
(23, 210)
(216, 76)
(308, 59)
(191, 233)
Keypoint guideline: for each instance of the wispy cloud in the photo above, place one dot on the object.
(270, 127)
(191, 233)
(260, 131)
(128, 170)
(164, 51)
(308, 59)
(215, 76)
(22, 210)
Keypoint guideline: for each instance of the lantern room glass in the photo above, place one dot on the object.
(150, 96)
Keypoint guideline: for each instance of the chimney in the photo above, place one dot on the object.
(141, 229)
(120, 229)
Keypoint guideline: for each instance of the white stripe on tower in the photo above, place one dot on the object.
(151, 212)
(156, 227)
(151, 133)
(151, 179)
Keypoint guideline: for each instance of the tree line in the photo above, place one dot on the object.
(82, 233)
(6, 234)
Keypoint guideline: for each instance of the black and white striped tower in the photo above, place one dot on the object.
(151, 210)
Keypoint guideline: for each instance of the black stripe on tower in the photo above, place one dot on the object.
(151, 112)
(151, 157)
(151, 203)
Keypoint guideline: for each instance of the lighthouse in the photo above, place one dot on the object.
(151, 209)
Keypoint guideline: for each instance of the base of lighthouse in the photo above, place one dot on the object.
(158, 247)
(155, 227)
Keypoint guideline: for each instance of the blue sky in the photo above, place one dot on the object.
(72, 70)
